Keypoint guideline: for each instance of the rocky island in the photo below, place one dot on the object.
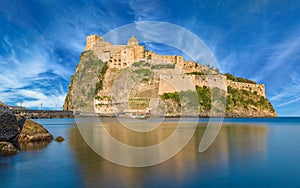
(129, 80)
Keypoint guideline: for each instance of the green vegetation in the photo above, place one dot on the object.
(141, 63)
(143, 72)
(173, 96)
(203, 94)
(137, 64)
(182, 102)
(238, 79)
(235, 99)
(103, 97)
(206, 96)
(246, 99)
(163, 66)
(196, 73)
(145, 80)
(99, 84)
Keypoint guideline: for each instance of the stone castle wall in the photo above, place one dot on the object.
(210, 81)
(171, 84)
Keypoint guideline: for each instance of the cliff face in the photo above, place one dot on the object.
(82, 88)
(123, 84)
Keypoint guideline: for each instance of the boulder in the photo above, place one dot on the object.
(59, 139)
(7, 148)
(9, 128)
(33, 131)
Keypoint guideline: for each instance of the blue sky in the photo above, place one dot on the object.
(41, 41)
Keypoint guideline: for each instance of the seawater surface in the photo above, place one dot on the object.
(246, 153)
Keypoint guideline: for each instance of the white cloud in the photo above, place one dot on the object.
(25, 70)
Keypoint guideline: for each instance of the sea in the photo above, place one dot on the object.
(258, 152)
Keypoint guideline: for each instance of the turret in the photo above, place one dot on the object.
(92, 40)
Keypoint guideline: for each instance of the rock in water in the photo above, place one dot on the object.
(7, 148)
(59, 139)
(9, 129)
(33, 131)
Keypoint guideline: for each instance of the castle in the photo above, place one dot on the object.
(122, 56)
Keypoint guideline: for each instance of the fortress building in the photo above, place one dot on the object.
(122, 56)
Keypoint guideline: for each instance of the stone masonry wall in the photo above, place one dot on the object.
(256, 88)
(171, 84)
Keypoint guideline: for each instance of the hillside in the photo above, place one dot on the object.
(131, 81)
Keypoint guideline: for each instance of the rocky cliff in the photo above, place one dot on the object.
(92, 87)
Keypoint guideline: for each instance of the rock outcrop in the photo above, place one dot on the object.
(18, 131)
(9, 129)
(33, 131)
(7, 148)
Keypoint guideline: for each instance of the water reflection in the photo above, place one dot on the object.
(235, 143)
(29, 146)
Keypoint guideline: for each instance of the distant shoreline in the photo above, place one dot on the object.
(49, 114)
(44, 114)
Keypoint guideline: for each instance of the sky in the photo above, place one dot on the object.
(41, 42)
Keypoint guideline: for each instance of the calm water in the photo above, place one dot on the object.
(246, 153)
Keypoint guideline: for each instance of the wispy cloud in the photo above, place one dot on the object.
(146, 10)
(25, 70)
(286, 51)
(289, 93)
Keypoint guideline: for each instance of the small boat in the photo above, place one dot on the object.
(140, 117)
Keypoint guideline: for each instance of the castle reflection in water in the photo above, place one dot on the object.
(233, 143)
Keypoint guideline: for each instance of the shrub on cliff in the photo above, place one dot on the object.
(245, 99)
(238, 79)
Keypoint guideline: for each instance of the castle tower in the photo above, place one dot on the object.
(92, 40)
(132, 41)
